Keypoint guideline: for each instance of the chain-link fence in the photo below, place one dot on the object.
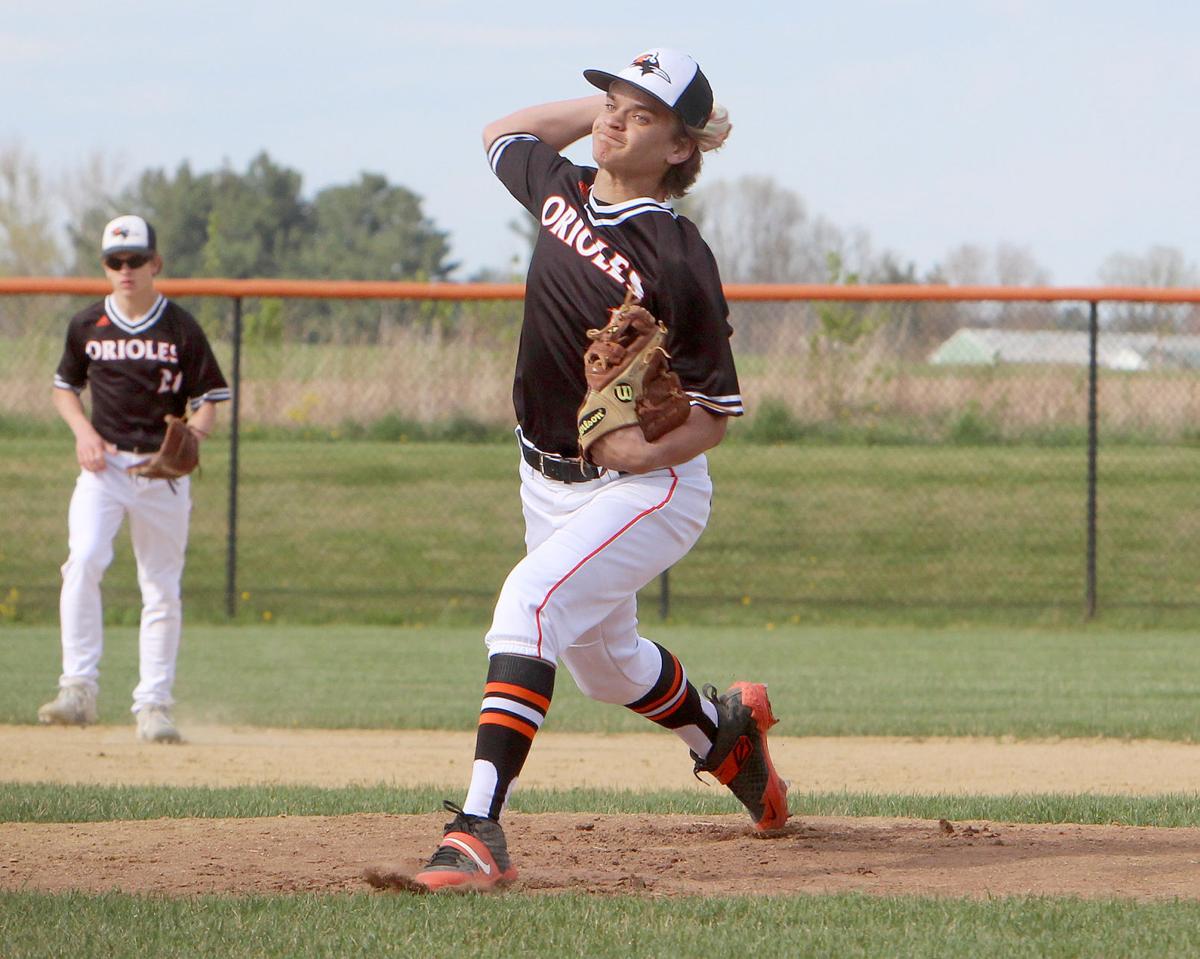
(901, 460)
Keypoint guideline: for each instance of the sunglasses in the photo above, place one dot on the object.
(135, 262)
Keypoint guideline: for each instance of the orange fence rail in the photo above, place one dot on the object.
(745, 292)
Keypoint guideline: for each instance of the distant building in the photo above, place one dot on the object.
(1114, 351)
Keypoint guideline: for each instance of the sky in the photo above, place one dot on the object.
(1064, 127)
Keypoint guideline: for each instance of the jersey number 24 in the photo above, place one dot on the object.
(171, 380)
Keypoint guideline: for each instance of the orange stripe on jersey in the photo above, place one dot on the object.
(528, 695)
(512, 722)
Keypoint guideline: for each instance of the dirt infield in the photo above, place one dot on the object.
(641, 854)
(225, 756)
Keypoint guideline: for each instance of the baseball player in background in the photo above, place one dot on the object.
(144, 358)
(600, 528)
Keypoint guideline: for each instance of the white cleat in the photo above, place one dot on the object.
(75, 705)
(155, 725)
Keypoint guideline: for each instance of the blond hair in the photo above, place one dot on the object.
(682, 176)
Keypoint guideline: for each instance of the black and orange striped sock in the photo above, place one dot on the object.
(515, 700)
(674, 703)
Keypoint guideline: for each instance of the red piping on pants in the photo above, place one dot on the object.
(647, 512)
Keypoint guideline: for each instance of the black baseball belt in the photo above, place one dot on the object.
(556, 467)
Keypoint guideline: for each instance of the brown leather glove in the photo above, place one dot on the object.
(178, 455)
(629, 379)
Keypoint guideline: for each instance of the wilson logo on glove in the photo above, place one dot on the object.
(586, 424)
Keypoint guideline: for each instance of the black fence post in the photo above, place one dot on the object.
(231, 540)
(1093, 445)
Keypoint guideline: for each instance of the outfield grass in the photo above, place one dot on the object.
(424, 533)
(848, 925)
(829, 681)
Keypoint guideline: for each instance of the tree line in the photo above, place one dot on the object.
(255, 222)
(258, 223)
(229, 223)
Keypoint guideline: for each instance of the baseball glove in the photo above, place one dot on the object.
(178, 455)
(629, 380)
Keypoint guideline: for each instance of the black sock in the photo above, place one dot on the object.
(673, 702)
(516, 697)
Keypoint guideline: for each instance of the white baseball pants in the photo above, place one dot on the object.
(158, 527)
(590, 548)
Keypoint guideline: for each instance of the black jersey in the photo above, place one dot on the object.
(139, 371)
(587, 253)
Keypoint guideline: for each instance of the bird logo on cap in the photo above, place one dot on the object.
(121, 231)
(648, 63)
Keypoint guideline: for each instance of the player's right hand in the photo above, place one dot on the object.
(625, 450)
(90, 452)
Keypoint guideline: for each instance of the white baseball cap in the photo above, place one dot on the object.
(127, 234)
(671, 77)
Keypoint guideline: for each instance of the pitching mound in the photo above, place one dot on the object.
(644, 855)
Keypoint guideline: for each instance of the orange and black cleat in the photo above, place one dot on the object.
(472, 857)
(739, 758)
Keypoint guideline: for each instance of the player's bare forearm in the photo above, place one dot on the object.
(69, 406)
(203, 420)
(557, 124)
(627, 450)
(90, 446)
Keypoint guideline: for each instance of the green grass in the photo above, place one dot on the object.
(885, 590)
(424, 533)
(53, 802)
(849, 925)
(830, 681)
